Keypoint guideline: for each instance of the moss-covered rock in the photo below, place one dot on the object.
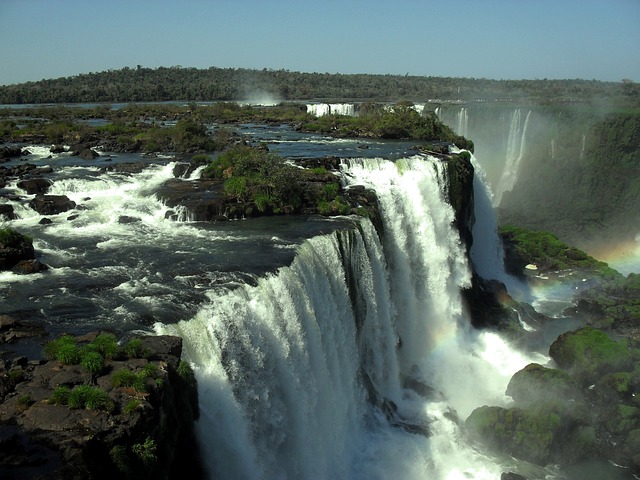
(547, 252)
(589, 352)
(524, 433)
(14, 247)
(536, 385)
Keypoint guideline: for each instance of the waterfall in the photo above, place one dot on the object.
(516, 145)
(463, 122)
(336, 366)
(321, 109)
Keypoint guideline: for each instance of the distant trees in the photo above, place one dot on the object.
(142, 84)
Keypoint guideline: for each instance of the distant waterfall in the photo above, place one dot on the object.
(463, 122)
(322, 369)
(321, 109)
(516, 146)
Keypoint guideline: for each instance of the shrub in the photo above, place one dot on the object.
(120, 459)
(92, 361)
(132, 405)
(69, 354)
(52, 348)
(25, 400)
(145, 451)
(91, 398)
(134, 349)
(60, 396)
(105, 344)
(135, 380)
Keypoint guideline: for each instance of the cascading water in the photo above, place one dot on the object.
(321, 109)
(337, 365)
(516, 146)
(463, 122)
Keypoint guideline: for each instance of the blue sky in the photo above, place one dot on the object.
(499, 39)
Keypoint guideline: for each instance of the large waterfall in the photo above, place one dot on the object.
(354, 362)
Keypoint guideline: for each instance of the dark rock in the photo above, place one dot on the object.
(7, 212)
(51, 204)
(87, 154)
(57, 148)
(15, 249)
(130, 168)
(26, 267)
(45, 221)
(10, 152)
(72, 217)
(124, 219)
(204, 200)
(35, 185)
(163, 345)
(511, 476)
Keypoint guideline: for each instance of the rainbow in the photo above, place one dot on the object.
(624, 256)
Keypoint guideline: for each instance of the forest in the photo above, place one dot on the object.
(141, 84)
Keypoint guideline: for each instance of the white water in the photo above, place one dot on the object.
(463, 122)
(283, 366)
(516, 146)
(321, 109)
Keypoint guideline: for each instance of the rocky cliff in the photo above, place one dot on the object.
(113, 411)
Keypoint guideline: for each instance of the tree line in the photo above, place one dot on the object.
(142, 84)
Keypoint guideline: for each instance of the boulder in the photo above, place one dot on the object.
(51, 204)
(14, 247)
(26, 267)
(7, 212)
(524, 433)
(35, 185)
(85, 153)
(589, 352)
(10, 152)
(535, 385)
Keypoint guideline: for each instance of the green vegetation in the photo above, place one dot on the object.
(146, 451)
(60, 395)
(11, 237)
(93, 362)
(589, 351)
(92, 356)
(134, 349)
(191, 84)
(132, 405)
(106, 345)
(545, 250)
(139, 381)
(255, 176)
(400, 121)
(81, 397)
(527, 434)
(617, 301)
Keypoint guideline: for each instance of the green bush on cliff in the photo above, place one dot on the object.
(91, 398)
